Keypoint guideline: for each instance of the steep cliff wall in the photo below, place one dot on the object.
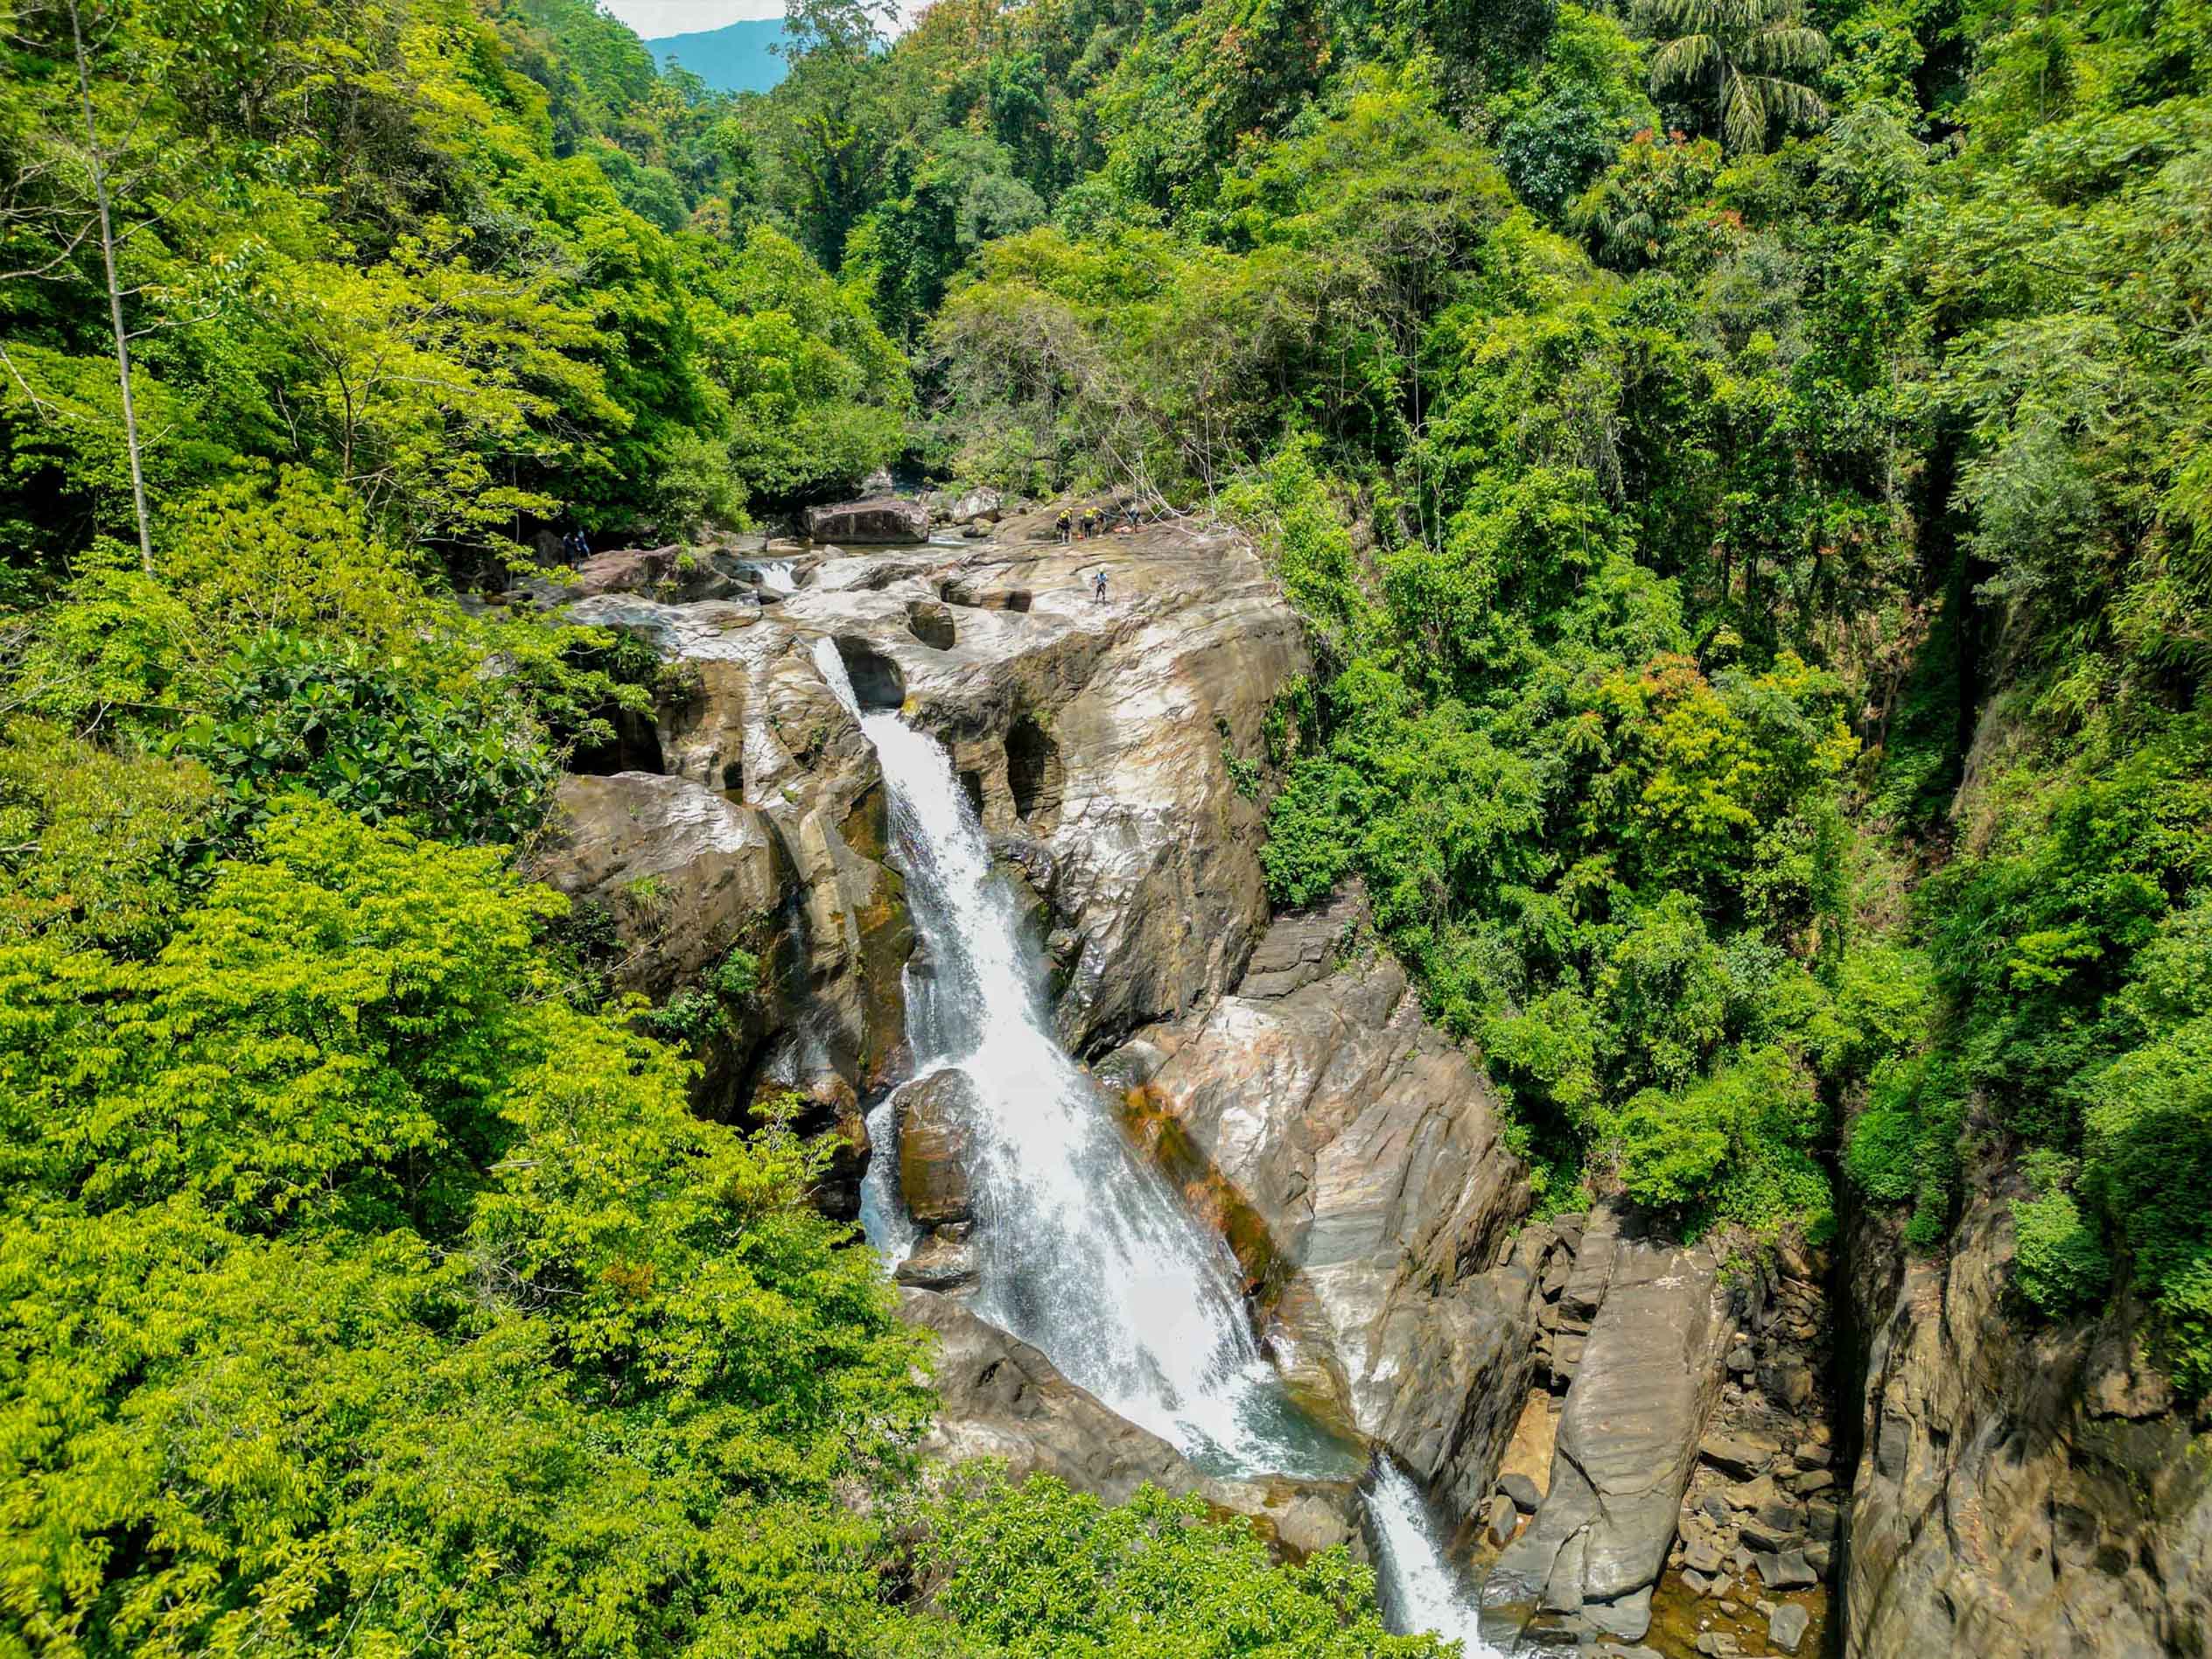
(2021, 1489)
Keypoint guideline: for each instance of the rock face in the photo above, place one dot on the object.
(882, 519)
(1353, 1156)
(1090, 736)
(684, 872)
(1644, 1384)
(1002, 1398)
(2022, 1489)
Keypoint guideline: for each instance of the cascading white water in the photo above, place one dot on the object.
(776, 574)
(1085, 1250)
(1420, 1592)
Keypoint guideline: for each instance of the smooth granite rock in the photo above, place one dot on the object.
(2025, 1487)
(934, 1123)
(1001, 1399)
(1365, 1153)
(1629, 1433)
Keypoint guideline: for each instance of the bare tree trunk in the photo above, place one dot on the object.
(115, 293)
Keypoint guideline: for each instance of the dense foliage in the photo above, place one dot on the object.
(1745, 469)
(1745, 472)
(368, 1283)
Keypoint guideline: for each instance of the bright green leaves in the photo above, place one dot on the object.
(407, 1305)
(1038, 1571)
(2062, 1264)
(91, 837)
(1738, 1144)
(291, 713)
(1285, 505)
(815, 391)
(324, 1029)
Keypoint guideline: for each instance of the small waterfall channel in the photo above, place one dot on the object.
(1085, 1250)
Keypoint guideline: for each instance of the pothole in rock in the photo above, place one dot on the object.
(1035, 775)
(877, 682)
(931, 621)
(972, 598)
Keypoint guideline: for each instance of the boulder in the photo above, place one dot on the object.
(878, 521)
(940, 1263)
(1521, 1491)
(675, 573)
(683, 873)
(975, 506)
(1740, 1456)
(1701, 1556)
(1759, 1536)
(935, 1118)
(1629, 1432)
(1786, 1625)
(1751, 1495)
(1504, 1519)
(1787, 1569)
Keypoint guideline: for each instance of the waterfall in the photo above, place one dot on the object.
(1419, 1589)
(776, 574)
(1085, 1249)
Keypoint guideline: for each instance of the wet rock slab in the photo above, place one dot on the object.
(1002, 1398)
(1359, 1155)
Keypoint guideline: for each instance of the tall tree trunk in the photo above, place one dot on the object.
(114, 292)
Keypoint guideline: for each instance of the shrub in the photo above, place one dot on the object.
(2062, 1264)
(1040, 1571)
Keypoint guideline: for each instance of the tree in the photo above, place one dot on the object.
(1741, 53)
(65, 192)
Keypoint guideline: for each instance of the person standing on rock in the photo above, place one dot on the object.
(1063, 526)
(1098, 586)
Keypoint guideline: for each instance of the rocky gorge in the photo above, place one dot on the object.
(1632, 1442)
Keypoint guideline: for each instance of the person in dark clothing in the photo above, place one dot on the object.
(1090, 522)
(1064, 527)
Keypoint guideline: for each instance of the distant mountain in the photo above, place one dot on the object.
(740, 58)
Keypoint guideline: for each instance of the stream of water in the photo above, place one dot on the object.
(1085, 1249)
